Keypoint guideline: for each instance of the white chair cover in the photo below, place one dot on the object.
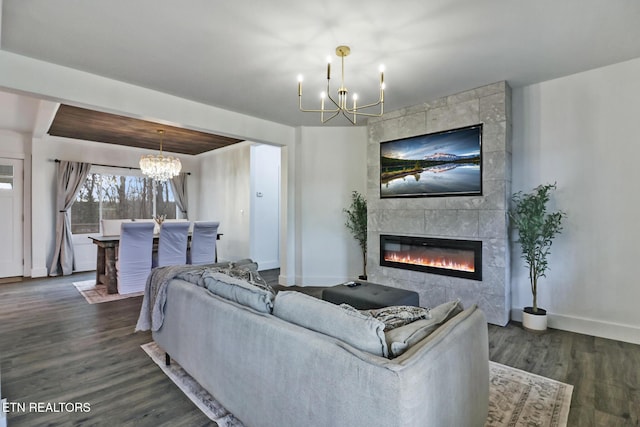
(134, 256)
(156, 227)
(203, 242)
(172, 245)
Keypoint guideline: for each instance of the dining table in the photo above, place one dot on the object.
(106, 273)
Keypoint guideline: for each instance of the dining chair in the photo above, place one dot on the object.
(133, 261)
(172, 244)
(203, 242)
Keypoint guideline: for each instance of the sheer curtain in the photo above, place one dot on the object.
(179, 187)
(71, 176)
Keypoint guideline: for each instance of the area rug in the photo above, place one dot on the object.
(519, 398)
(200, 397)
(516, 398)
(95, 294)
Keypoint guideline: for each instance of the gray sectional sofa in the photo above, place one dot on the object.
(265, 361)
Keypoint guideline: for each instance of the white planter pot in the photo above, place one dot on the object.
(534, 322)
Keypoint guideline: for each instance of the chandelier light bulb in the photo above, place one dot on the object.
(300, 78)
(159, 167)
(381, 68)
(339, 105)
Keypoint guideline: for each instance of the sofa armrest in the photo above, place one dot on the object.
(451, 367)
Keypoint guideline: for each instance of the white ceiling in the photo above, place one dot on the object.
(244, 56)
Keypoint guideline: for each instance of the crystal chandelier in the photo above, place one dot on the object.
(339, 105)
(159, 167)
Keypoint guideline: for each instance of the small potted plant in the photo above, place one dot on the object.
(536, 231)
(357, 223)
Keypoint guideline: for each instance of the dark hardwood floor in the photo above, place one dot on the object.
(54, 347)
(605, 373)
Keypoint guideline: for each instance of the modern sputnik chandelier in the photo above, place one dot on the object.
(160, 167)
(339, 105)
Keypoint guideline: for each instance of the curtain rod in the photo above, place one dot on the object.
(112, 166)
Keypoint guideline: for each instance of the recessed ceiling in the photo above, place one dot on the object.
(244, 56)
(80, 123)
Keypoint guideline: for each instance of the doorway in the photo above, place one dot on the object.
(265, 206)
(11, 221)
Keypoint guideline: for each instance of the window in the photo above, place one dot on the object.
(106, 194)
(6, 177)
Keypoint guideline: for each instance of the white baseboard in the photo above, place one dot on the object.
(285, 280)
(39, 272)
(268, 265)
(322, 280)
(582, 325)
(310, 281)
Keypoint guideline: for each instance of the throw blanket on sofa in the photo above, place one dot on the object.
(155, 295)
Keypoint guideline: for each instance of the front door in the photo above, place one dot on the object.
(11, 225)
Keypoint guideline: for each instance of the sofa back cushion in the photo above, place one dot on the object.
(402, 338)
(246, 264)
(360, 331)
(253, 295)
(394, 316)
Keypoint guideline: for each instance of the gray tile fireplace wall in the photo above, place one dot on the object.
(456, 217)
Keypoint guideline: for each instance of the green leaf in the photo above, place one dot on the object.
(536, 229)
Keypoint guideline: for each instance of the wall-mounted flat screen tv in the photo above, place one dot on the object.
(445, 163)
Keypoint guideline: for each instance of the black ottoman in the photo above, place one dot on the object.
(369, 295)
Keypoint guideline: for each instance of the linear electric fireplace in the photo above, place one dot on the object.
(449, 257)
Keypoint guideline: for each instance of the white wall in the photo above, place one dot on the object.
(43, 187)
(25, 75)
(324, 166)
(265, 205)
(224, 196)
(12, 144)
(582, 132)
(331, 164)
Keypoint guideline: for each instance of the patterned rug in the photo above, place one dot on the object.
(95, 294)
(519, 398)
(203, 400)
(516, 398)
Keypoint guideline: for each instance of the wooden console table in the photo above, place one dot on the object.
(106, 261)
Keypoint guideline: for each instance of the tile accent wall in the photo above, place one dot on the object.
(462, 217)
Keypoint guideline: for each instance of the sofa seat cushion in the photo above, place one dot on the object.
(402, 338)
(356, 329)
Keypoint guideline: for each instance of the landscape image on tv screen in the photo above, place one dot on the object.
(438, 164)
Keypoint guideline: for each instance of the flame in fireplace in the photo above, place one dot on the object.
(438, 262)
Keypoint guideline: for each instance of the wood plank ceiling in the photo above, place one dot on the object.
(89, 125)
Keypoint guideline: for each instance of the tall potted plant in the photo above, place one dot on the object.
(357, 223)
(536, 231)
